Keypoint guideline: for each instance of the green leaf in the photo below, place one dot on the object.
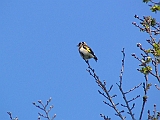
(145, 70)
(153, 22)
(149, 68)
(155, 8)
(156, 50)
(148, 51)
(148, 59)
(157, 53)
(156, 46)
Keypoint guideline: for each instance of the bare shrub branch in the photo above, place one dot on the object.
(106, 94)
(43, 107)
(10, 115)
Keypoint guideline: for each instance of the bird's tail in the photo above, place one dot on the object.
(95, 58)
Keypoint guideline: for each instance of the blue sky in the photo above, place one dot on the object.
(39, 57)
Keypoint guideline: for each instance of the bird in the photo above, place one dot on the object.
(86, 52)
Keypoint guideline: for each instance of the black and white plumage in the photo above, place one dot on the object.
(86, 52)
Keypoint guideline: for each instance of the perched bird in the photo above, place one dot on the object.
(86, 52)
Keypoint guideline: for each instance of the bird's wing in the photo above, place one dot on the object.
(88, 49)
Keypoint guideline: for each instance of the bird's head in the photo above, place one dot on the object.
(81, 43)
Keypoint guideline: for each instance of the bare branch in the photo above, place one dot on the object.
(44, 109)
(155, 116)
(133, 106)
(102, 94)
(134, 98)
(110, 88)
(121, 90)
(104, 117)
(91, 71)
(145, 96)
(10, 115)
(133, 88)
(157, 87)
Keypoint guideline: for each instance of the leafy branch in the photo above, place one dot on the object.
(154, 6)
(150, 59)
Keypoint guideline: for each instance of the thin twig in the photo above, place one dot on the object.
(157, 87)
(121, 90)
(44, 108)
(10, 115)
(101, 85)
(144, 97)
(133, 88)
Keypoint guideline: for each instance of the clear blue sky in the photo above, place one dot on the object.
(39, 58)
